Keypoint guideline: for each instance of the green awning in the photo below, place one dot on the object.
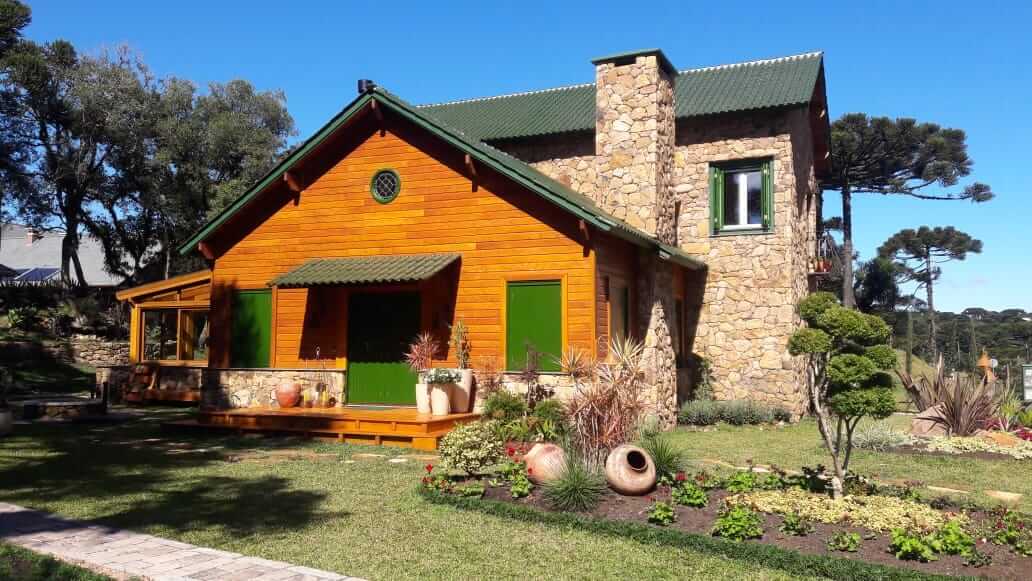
(364, 270)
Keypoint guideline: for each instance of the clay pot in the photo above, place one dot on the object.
(461, 392)
(544, 462)
(630, 470)
(422, 398)
(440, 398)
(287, 394)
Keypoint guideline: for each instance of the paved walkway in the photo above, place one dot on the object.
(124, 554)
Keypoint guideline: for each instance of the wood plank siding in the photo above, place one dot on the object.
(502, 231)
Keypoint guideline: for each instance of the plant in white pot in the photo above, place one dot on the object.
(421, 352)
(460, 397)
(441, 381)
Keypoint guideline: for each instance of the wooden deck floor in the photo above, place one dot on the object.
(360, 425)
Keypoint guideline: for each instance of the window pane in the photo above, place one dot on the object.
(755, 185)
(618, 320)
(194, 335)
(731, 199)
(159, 335)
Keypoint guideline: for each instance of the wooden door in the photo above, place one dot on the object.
(251, 329)
(380, 328)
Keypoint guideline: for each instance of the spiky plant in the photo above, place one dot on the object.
(578, 487)
(967, 405)
(668, 458)
(422, 352)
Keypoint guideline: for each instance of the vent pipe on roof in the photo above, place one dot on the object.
(365, 85)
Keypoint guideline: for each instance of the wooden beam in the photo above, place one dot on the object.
(205, 250)
(470, 167)
(292, 182)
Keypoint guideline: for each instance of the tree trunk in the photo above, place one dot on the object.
(910, 341)
(848, 300)
(70, 256)
(932, 330)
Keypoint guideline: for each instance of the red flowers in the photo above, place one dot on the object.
(530, 470)
(510, 451)
(680, 477)
(429, 468)
(426, 480)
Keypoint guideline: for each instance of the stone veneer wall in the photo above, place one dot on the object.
(94, 351)
(754, 280)
(240, 388)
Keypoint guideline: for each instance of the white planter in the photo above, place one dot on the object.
(6, 421)
(440, 398)
(422, 398)
(461, 392)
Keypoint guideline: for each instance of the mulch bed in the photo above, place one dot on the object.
(1005, 564)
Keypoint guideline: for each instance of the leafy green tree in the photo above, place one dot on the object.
(878, 155)
(919, 252)
(14, 151)
(877, 287)
(848, 356)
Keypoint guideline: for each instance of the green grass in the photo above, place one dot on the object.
(37, 371)
(800, 445)
(21, 564)
(363, 518)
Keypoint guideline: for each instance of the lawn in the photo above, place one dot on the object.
(36, 370)
(21, 564)
(306, 503)
(800, 445)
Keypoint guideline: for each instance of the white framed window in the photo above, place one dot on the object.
(741, 196)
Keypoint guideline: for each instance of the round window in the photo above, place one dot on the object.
(385, 185)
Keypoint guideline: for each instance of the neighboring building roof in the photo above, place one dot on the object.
(38, 274)
(6, 272)
(555, 192)
(764, 84)
(44, 252)
(365, 270)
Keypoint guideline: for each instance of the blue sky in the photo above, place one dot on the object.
(959, 64)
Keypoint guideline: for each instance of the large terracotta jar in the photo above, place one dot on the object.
(461, 392)
(287, 394)
(630, 470)
(440, 398)
(544, 462)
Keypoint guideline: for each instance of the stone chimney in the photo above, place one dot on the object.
(634, 139)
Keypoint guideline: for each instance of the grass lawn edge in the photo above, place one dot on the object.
(765, 555)
(43, 567)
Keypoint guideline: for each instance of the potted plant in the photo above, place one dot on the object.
(421, 352)
(441, 382)
(6, 413)
(464, 387)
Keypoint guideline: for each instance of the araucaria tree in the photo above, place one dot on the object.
(878, 155)
(848, 355)
(919, 252)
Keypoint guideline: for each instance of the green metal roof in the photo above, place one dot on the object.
(364, 270)
(555, 192)
(747, 86)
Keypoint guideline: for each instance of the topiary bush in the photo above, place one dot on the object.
(471, 447)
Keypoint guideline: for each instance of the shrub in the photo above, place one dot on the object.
(911, 547)
(471, 447)
(661, 513)
(505, 406)
(742, 481)
(687, 493)
(951, 539)
(577, 488)
(781, 414)
(699, 412)
(843, 541)
(796, 526)
(880, 436)
(24, 319)
(668, 458)
(746, 413)
(738, 523)
(550, 409)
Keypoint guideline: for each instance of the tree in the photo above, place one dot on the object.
(919, 252)
(14, 17)
(878, 155)
(847, 355)
(84, 120)
(876, 287)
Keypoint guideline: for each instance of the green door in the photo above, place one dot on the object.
(534, 317)
(252, 329)
(380, 328)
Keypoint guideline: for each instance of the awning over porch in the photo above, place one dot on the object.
(365, 270)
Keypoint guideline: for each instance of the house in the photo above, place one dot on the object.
(34, 256)
(676, 207)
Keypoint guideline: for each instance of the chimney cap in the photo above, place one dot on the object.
(365, 85)
(626, 58)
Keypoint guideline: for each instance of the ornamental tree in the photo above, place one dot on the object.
(848, 356)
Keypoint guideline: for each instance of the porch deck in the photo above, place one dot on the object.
(390, 426)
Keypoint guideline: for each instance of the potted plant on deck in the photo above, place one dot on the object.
(441, 381)
(460, 396)
(421, 352)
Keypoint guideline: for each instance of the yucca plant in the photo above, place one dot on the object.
(967, 405)
(421, 352)
(668, 458)
(578, 487)
(925, 392)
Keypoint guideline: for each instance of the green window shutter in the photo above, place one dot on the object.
(534, 316)
(767, 196)
(251, 329)
(716, 199)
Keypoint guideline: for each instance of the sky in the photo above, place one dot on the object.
(958, 64)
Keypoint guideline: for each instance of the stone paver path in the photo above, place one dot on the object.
(123, 554)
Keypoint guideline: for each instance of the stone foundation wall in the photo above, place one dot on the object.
(240, 388)
(94, 351)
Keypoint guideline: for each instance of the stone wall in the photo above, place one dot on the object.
(94, 351)
(241, 388)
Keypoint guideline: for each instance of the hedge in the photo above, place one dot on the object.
(765, 555)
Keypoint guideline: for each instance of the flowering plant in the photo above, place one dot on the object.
(439, 375)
